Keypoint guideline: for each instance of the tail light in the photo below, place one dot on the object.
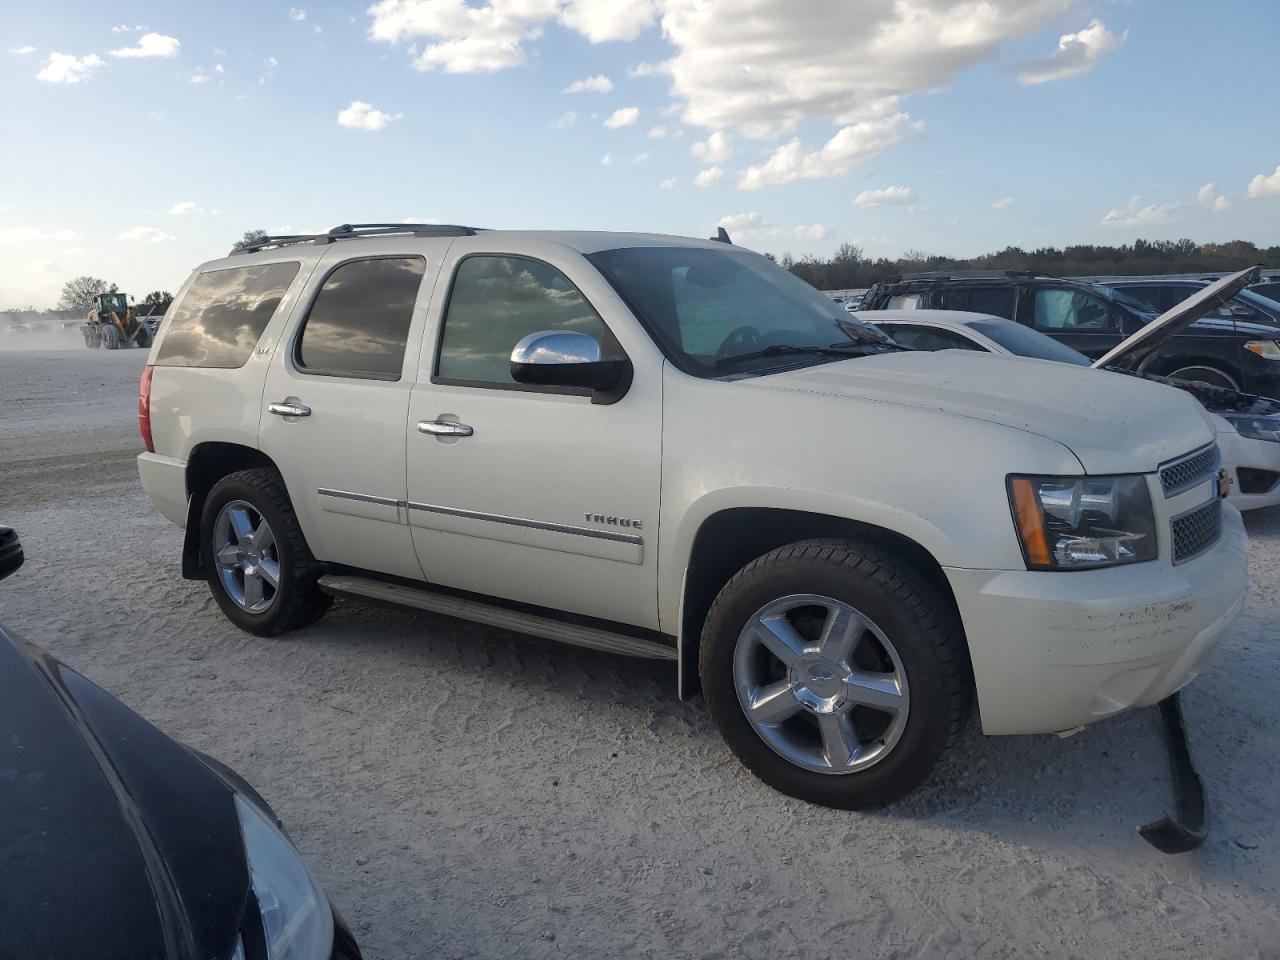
(144, 408)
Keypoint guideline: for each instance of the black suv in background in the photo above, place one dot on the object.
(1249, 306)
(1093, 318)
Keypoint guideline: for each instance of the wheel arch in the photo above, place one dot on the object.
(726, 541)
(1164, 366)
(208, 463)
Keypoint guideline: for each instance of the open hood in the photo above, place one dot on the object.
(1131, 352)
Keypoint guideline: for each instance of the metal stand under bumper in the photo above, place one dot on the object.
(1187, 829)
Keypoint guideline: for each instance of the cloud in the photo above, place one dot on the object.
(668, 184)
(1077, 53)
(664, 132)
(602, 20)
(715, 149)
(606, 160)
(850, 146)
(641, 157)
(1135, 214)
(186, 206)
(1004, 203)
(218, 68)
(198, 78)
(567, 119)
(709, 176)
(888, 197)
(755, 224)
(297, 14)
(146, 235)
(271, 63)
(66, 68)
(597, 84)
(622, 117)
(1265, 185)
(151, 45)
(25, 236)
(125, 28)
(364, 116)
(22, 51)
(463, 38)
(1209, 197)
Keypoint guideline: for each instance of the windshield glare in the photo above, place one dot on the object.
(705, 307)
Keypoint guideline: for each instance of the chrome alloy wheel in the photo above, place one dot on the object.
(248, 561)
(821, 684)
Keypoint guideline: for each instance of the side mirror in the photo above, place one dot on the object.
(10, 552)
(554, 358)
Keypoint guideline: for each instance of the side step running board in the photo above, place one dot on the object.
(477, 611)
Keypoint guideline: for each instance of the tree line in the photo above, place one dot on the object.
(849, 269)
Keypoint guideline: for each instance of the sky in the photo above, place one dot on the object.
(146, 137)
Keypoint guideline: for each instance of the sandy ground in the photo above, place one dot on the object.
(462, 792)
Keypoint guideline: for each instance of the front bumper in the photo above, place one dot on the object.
(1053, 651)
(1252, 454)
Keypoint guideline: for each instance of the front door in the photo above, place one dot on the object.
(1082, 320)
(335, 403)
(533, 495)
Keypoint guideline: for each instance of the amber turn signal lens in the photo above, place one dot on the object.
(1030, 519)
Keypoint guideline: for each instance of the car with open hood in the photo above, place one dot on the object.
(118, 843)
(674, 449)
(1248, 427)
(1094, 318)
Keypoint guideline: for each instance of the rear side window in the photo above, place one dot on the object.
(358, 325)
(498, 301)
(219, 319)
(929, 338)
(996, 301)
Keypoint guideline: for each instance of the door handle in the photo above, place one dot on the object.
(289, 409)
(444, 428)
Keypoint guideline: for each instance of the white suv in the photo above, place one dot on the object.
(672, 448)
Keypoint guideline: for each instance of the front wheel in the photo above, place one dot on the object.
(110, 336)
(835, 672)
(1199, 373)
(259, 567)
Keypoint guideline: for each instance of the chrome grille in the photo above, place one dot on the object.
(1196, 531)
(1190, 470)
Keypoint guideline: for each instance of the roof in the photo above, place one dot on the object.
(946, 318)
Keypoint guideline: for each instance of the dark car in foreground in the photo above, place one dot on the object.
(1094, 318)
(119, 843)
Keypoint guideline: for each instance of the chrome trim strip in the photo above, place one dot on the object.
(362, 497)
(523, 522)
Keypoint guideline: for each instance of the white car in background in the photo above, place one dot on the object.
(1249, 439)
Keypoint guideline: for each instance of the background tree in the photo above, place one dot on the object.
(157, 301)
(78, 294)
(253, 236)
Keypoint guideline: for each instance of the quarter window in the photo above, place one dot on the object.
(359, 323)
(929, 338)
(218, 321)
(1069, 310)
(498, 301)
(994, 301)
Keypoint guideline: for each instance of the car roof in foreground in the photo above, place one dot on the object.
(948, 318)
(585, 242)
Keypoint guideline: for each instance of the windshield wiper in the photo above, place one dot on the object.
(849, 349)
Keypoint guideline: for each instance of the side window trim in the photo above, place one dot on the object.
(610, 345)
(295, 344)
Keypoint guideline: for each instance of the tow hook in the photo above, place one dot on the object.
(1186, 830)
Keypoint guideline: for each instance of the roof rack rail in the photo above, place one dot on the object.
(970, 275)
(352, 231)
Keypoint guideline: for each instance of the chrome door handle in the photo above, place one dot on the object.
(289, 409)
(444, 428)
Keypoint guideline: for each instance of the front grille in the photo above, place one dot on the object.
(1185, 473)
(1196, 531)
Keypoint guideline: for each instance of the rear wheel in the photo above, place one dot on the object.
(110, 336)
(91, 338)
(257, 562)
(835, 672)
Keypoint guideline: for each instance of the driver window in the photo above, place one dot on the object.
(495, 303)
(1066, 311)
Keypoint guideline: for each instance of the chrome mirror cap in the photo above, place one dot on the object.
(554, 347)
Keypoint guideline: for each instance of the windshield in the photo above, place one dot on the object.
(1261, 302)
(731, 311)
(1119, 296)
(1025, 342)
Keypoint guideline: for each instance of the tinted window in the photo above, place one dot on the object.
(905, 301)
(1067, 310)
(218, 321)
(1151, 296)
(996, 301)
(928, 338)
(1025, 342)
(498, 301)
(359, 322)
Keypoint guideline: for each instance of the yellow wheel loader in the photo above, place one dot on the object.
(113, 324)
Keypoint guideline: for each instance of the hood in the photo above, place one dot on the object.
(1113, 423)
(1131, 352)
(127, 846)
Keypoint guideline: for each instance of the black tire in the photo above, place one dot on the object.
(1203, 373)
(912, 613)
(92, 339)
(298, 602)
(110, 336)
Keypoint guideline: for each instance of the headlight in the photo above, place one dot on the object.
(1081, 523)
(1267, 349)
(1257, 428)
(296, 919)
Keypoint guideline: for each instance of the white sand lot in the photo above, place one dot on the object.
(462, 792)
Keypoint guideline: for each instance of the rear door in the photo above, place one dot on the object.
(336, 399)
(548, 498)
